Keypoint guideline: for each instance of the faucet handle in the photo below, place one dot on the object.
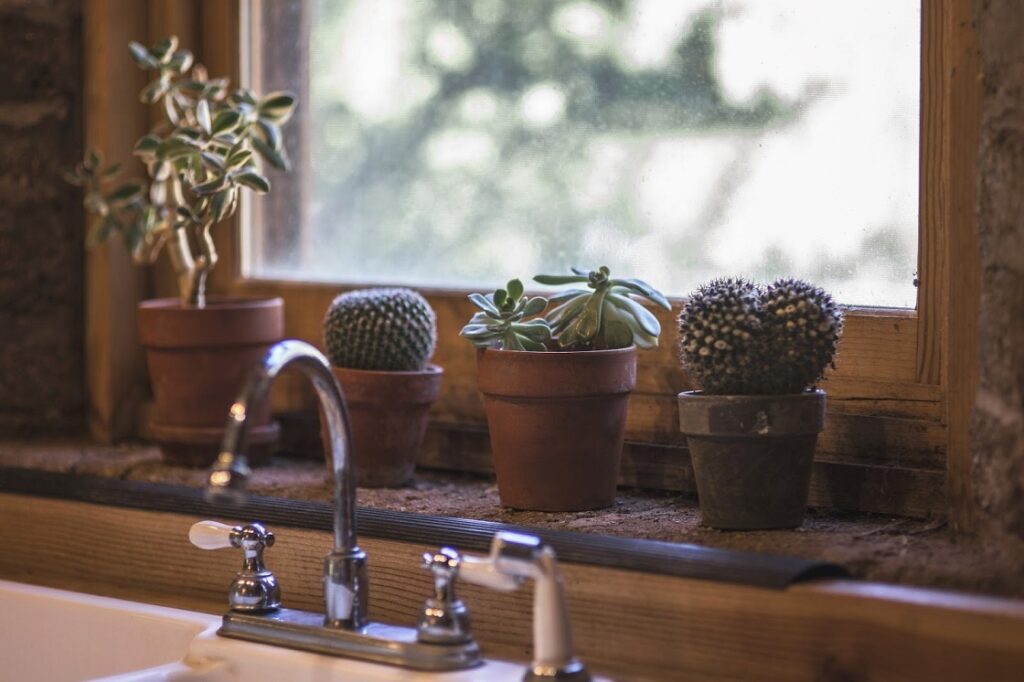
(444, 618)
(211, 535)
(254, 588)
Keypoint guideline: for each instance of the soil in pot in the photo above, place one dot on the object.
(752, 456)
(198, 359)
(388, 414)
(556, 424)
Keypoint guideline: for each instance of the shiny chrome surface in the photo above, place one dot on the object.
(343, 630)
(346, 590)
(254, 588)
(374, 642)
(444, 619)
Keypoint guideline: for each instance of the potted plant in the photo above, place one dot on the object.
(380, 341)
(757, 354)
(198, 160)
(556, 388)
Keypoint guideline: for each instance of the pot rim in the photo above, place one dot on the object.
(698, 395)
(173, 304)
(430, 369)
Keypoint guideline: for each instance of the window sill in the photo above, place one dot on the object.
(874, 547)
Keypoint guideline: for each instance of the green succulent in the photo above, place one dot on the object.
(197, 160)
(604, 315)
(741, 339)
(501, 321)
(383, 329)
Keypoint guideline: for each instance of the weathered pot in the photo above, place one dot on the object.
(198, 359)
(388, 417)
(556, 422)
(752, 456)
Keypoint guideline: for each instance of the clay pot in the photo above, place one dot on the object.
(388, 416)
(556, 422)
(198, 359)
(752, 456)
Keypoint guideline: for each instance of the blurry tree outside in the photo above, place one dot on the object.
(459, 143)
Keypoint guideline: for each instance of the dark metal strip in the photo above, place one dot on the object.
(648, 556)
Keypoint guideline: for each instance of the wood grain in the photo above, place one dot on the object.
(114, 120)
(628, 625)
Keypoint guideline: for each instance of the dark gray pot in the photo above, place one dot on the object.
(752, 456)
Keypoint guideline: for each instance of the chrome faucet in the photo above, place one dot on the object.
(344, 629)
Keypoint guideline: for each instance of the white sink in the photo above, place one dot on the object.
(49, 635)
(53, 635)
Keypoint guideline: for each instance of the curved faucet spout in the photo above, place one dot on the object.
(345, 583)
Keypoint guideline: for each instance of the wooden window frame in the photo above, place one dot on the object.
(896, 437)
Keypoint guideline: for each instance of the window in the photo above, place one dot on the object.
(457, 144)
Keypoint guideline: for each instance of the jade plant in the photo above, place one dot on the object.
(737, 338)
(198, 160)
(383, 329)
(601, 317)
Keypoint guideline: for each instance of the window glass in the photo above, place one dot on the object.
(459, 143)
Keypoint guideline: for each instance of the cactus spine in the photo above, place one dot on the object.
(740, 339)
(383, 329)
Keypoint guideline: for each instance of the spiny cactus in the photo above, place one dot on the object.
(802, 325)
(380, 329)
(718, 335)
(500, 322)
(741, 339)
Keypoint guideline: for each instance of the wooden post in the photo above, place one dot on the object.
(114, 120)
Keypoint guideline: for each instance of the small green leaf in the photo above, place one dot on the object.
(125, 194)
(560, 279)
(142, 56)
(535, 305)
(515, 289)
(164, 48)
(238, 159)
(276, 107)
(499, 297)
(225, 121)
(644, 318)
(209, 187)
(270, 133)
(203, 116)
(276, 159)
(213, 161)
(638, 286)
(484, 304)
(241, 95)
(148, 144)
(154, 91)
(221, 204)
(93, 160)
(174, 148)
(253, 181)
(181, 61)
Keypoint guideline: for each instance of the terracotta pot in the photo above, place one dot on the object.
(556, 422)
(388, 416)
(198, 359)
(752, 456)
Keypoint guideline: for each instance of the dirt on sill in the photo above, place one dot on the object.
(921, 552)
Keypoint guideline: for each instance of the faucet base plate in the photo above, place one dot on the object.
(376, 642)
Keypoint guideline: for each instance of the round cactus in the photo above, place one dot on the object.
(740, 339)
(718, 335)
(802, 325)
(380, 329)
